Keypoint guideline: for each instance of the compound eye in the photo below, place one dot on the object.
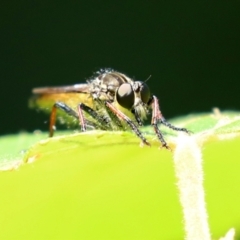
(125, 95)
(145, 92)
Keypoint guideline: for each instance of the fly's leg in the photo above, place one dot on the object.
(69, 111)
(169, 125)
(164, 121)
(123, 117)
(115, 120)
(53, 115)
(104, 122)
(137, 117)
(158, 117)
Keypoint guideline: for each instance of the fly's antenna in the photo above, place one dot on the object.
(148, 78)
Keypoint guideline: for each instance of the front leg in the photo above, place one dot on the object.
(126, 119)
(158, 117)
(169, 125)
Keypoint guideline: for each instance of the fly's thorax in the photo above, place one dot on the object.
(105, 85)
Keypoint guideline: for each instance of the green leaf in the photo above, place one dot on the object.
(103, 185)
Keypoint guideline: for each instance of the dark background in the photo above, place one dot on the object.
(190, 48)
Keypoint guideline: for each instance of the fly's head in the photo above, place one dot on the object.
(113, 86)
(135, 96)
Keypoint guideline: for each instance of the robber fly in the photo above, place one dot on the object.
(108, 101)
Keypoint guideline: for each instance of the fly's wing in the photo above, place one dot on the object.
(76, 88)
(44, 99)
